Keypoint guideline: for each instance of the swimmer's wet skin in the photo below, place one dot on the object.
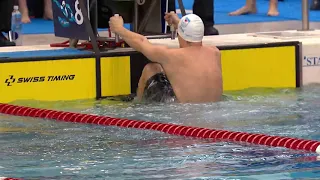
(189, 74)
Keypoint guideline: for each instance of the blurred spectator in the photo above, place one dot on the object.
(205, 10)
(315, 5)
(6, 8)
(47, 10)
(251, 8)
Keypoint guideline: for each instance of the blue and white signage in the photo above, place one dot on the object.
(69, 20)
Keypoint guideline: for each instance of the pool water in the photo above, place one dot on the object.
(44, 149)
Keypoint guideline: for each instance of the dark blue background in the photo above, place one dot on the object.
(74, 30)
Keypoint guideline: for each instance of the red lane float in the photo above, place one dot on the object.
(6, 178)
(259, 139)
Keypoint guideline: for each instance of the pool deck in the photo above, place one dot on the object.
(45, 39)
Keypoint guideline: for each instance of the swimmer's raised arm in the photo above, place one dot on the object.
(155, 53)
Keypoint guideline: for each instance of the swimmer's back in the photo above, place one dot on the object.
(195, 74)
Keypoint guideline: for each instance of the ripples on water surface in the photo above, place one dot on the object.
(42, 149)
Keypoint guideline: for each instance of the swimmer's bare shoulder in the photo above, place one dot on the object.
(215, 50)
(175, 55)
(216, 54)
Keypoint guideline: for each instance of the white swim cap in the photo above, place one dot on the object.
(191, 28)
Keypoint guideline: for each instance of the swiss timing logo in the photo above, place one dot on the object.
(10, 80)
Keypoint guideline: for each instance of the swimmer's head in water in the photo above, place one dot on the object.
(191, 28)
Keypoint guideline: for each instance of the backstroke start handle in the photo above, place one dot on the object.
(116, 35)
(172, 29)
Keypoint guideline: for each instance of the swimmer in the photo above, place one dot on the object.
(189, 74)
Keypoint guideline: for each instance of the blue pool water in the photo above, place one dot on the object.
(43, 149)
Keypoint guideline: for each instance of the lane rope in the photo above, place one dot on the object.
(187, 131)
(6, 178)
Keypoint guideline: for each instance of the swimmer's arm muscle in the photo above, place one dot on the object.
(155, 53)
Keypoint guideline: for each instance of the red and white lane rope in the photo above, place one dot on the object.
(6, 178)
(223, 135)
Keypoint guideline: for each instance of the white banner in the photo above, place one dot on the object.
(311, 63)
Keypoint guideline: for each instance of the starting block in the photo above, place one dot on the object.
(80, 20)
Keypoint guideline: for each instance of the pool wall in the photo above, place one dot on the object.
(85, 75)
